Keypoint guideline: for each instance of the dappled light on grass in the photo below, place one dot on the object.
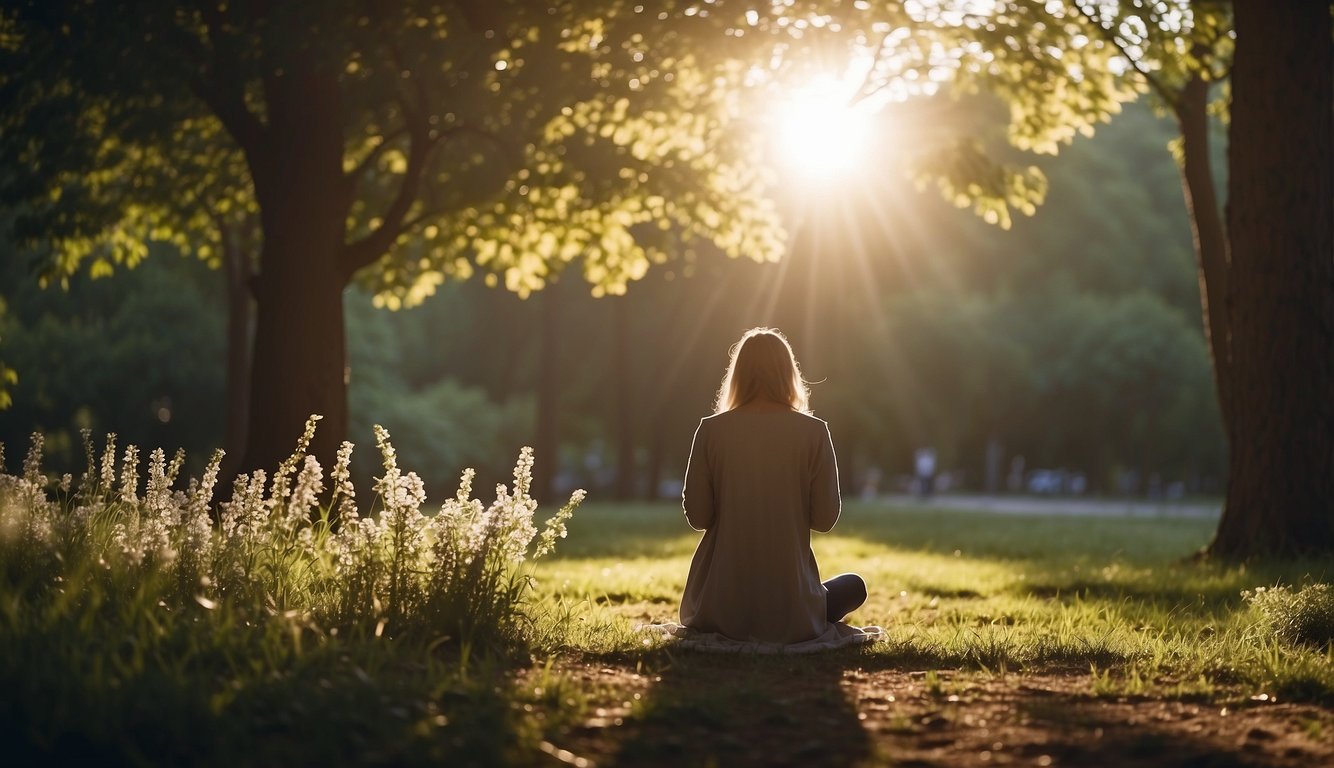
(975, 658)
(1113, 598)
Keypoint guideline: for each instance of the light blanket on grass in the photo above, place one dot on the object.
(836, 635)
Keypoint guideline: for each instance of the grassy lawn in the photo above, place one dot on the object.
(1117, 598)
(1045, 630)
(1011, 639)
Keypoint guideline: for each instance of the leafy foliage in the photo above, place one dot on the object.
(8, 376)
(512, 137)
(1063, 69)
(409, 369)
(140, 356)
(1108, 228)
(1124, 374)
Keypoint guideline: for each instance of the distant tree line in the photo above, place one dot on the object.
(1072, 340)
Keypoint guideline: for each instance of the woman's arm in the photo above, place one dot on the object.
(697, 495)
(826, 501)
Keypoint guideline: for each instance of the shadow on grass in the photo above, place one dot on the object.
(746, 710)
(1182, 594)
(347, 704)
(1077, 731)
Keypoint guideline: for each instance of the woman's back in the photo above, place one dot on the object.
(759, 480)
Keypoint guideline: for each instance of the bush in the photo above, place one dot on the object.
(277, 549)
(1303, 617)
(154, 626)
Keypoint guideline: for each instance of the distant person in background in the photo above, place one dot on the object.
(1015, 483)
(925, 461)
(762, 475)
(871, 484)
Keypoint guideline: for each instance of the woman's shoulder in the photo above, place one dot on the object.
(816, 429)
(798, 419)
(812, 421)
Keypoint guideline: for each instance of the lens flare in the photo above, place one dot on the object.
(820, 133)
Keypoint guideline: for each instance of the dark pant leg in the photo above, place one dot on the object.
(843, 595)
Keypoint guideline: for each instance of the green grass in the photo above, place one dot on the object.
(1119, 599)
(117, 678)
(131, 683)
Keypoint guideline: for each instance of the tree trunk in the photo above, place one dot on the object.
(300, 360)
(622, 380)
(653, 470)
(237, 270)
(547, 450)
(299, 366)
(1280, 302)
(1206, 222)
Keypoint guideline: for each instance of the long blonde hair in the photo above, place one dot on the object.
(761, 365)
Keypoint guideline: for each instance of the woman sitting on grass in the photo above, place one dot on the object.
(761, 477)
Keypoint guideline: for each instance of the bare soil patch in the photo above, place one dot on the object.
(694, 709)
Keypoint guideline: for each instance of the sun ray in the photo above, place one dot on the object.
(687, 350)
(820, 133)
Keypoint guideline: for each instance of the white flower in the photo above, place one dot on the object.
(202, 494)
(108, 476)
(129, 475)
(282, 476)
(32, 463)
(306, 492)
(344, 491)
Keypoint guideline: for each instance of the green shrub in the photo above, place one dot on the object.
(1304, 617)
(460, 573)
(154, 626)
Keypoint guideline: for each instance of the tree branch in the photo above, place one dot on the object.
(395, 221)
(224, 91)
(422, 140)
(1111, 37)
(868, 89)
(515, 152)
(363, 252)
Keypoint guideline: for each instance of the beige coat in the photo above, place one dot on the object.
(757, 484)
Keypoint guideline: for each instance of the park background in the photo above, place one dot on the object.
(1003, 269)
(1073, 340)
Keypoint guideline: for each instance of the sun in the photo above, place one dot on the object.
(820, 133)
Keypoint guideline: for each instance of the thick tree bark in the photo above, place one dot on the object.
(299, 366)
(300, 362)
(1280, 301)
(547, 449)
(653, 468)
(237, 270)
(623, 381)
(1206, 221)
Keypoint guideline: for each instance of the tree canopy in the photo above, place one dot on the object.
(515, 137)
(427, 139)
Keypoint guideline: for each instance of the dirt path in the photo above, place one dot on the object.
(692, 709)
(1065, 506)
